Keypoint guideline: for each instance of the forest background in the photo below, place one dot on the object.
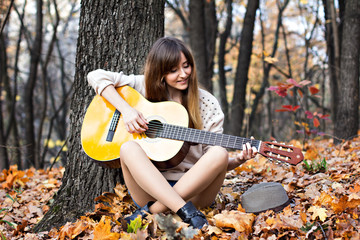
(245, 54)
(281, 70)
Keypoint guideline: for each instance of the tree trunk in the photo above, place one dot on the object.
(347, 116)
(113, 35)
(203, 28)
(221, 63)
(241, 77)
(30, 144)
(4, 159)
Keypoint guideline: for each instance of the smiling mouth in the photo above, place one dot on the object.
(183, 81)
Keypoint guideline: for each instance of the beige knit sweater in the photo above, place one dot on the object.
(210, 110)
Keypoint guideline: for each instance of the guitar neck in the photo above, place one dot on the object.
(203, 137)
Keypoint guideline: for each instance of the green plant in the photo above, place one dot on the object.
(314, 227)
(315, 166)
(135, 225)
(5, 211)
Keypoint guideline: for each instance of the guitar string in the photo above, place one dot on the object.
(176, 132)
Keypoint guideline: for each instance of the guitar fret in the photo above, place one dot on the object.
(228, 141)
(204, 137)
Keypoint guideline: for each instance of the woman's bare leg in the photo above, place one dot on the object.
(203, 181)
(144, 180)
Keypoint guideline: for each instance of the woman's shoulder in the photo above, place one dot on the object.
(209, 105)
(210, 112)
(207, 98)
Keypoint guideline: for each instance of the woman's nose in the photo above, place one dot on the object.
(182, 72)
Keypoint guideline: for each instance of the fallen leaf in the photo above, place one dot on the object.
(237, 220)
(318, 212)
(102, 230)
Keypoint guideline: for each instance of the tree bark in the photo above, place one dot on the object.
(242, 69)
(4, 159)
(35, 49)
(203, 29)
(347, 116)
(113, 35)
(221, 63)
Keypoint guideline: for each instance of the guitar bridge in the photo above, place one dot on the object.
(113, 125)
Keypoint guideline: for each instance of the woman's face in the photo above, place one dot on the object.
(178, 77)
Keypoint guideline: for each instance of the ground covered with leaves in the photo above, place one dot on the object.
(324, 192)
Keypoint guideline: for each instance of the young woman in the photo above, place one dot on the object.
(170, 75)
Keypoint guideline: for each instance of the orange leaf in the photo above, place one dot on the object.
(355, 189)
(344, 203)
(316, 122)
(240, 208)
(313, 90)
(79, 227)
(300, 92)
(239, 221)
(66, 231)
(103, 230)
(303, 217)
(311, 154)
(325, 199)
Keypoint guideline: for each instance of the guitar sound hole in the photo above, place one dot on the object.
(155, 128)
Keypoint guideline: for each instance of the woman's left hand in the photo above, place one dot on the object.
(247, 153)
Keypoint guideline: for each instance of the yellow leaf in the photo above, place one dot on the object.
(266, 54)
(318, 212)
(49, 143)
(102, 230)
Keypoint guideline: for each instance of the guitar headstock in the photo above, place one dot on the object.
(281, 152)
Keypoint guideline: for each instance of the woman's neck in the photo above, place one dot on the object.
(175, 95)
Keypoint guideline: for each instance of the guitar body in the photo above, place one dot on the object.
(99, 117)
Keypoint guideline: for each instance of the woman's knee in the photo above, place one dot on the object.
(219, 155)
(128, 148)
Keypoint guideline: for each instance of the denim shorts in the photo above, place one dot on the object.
(171, 182)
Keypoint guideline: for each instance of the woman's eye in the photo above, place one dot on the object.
(173, 70)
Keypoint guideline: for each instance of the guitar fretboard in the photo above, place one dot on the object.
(205, 137)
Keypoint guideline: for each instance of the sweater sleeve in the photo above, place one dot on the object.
(99, 79)
(211, 114)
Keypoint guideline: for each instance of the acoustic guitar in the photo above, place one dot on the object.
(168, 138)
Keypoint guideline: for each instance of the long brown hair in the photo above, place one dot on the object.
(164, 55)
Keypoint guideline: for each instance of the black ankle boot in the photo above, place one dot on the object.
(140, 211)
(189, 214)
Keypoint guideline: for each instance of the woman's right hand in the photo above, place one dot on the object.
(134, 120)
